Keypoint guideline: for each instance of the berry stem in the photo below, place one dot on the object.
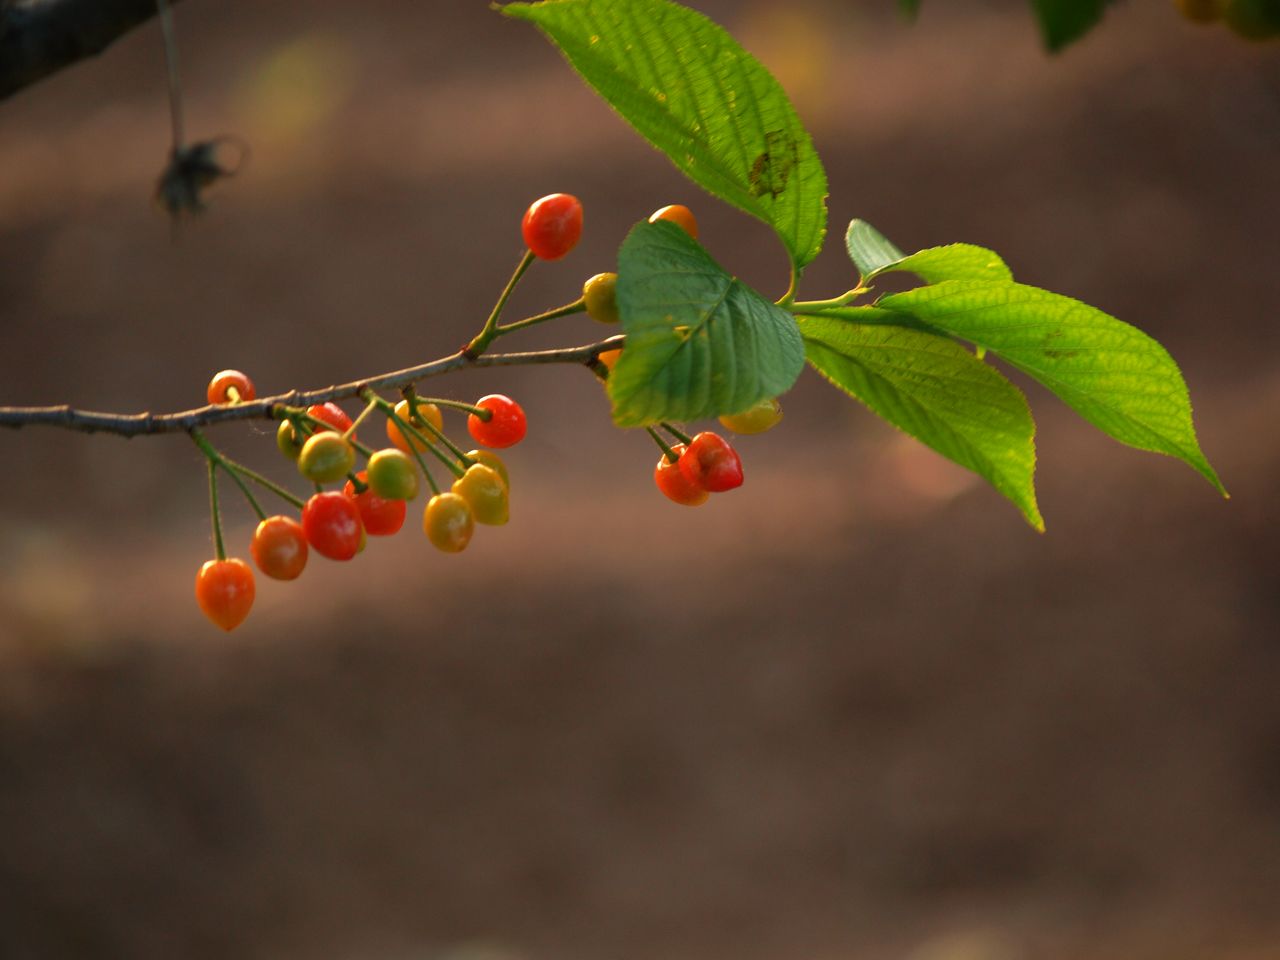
(439, 434)
(366, 452)
(682, 437)
(490, 330)
(407, 430)
(667, 452)
(248, 494)
(568, 310)
(219, 550)
(471, 408)
(351, 430)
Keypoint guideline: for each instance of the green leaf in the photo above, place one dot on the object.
(700, 343)
(1112, 374)
(932, 388)
(909, 8)
(1065, 21)
(690, 90)
(873, 255)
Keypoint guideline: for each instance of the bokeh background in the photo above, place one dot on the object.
(856, 709)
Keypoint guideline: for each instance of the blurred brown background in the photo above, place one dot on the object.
(856, 709)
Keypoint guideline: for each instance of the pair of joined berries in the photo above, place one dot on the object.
(707, 464)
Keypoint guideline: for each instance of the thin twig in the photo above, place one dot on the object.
(133, 425)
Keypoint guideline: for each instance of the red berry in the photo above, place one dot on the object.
(224, 590)
(381, 517)
(332, 414)
(280, 548)
(674, 484)
(331, 521)
(679, 215)
(504, 428)
(711, 463)
(223, 383)
(552, 226)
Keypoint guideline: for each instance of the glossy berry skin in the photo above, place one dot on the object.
(504, 429)
(331, 521)
(426, 412)
(757, 418)
(225, 591)
(226, 380)
(326, 457)
(552, 226)
(448, 522)
(493, 462)
(380, 516)
(331, 414)
(287, 441)
(711, 463)
(680, 215)
(600, 294)
(485, 494)
(279, 548)
(673, 483)
(392, 475)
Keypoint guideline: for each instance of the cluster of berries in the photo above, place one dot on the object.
(373, 501)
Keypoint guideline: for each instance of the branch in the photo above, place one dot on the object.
(40, 37)
(132, 425)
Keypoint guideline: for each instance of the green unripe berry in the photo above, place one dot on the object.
(493, 462)
(485, 494)
(326, 457)
(392, 476)
(601, 296)
(287, 440)
(757, 418)
(448, 522)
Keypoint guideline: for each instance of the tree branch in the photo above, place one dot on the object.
(138, 424)
(41, 37)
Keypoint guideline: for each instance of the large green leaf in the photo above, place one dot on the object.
(935, 390)
(700, 343)
(1114, 375)
(696, 95)
(873, 255)
(1064, 21)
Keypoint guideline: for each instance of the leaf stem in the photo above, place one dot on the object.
(813, 306)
